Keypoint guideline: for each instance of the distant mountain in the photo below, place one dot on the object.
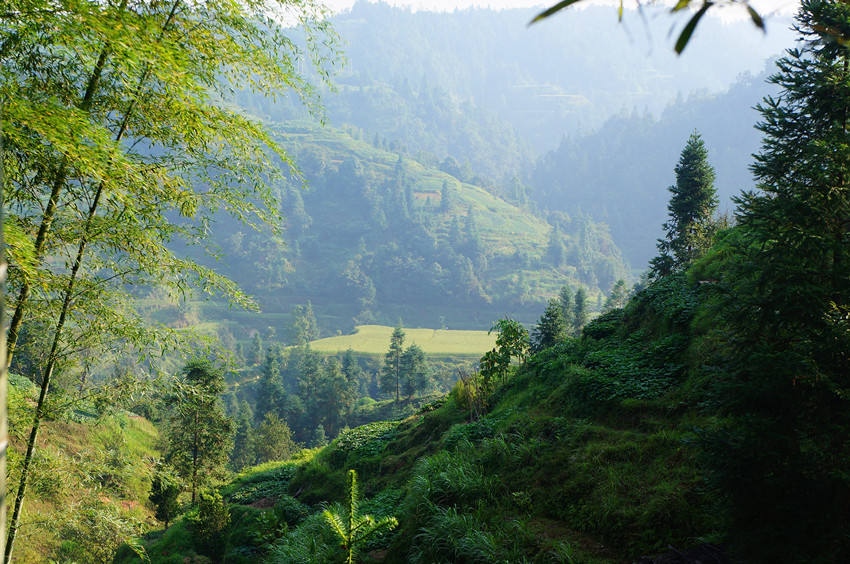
(376, 235)
(565, 75)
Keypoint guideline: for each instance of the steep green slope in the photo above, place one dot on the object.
(377, 236)
(583, 455)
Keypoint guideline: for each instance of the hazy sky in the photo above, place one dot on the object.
(765, 7)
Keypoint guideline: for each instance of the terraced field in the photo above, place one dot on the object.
(375, 339)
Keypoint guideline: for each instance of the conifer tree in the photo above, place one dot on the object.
(581, 312)
(391, 371)
(199, 432)
(273, 439)
(550, 329)
(693, 202)
(618, 297)
(271, 395)
(782, 458)
(243, 453)
(256, 354)
(414, 368)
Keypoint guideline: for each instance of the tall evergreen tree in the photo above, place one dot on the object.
(273, 439)
(782, 458)
(550, 329)
(416, 374)
(354, 373)
(336, 397)
(581, 311)
(693, 202)
(618, 298)
(243, 453)
(391, 371)
(271, 395)
(303, 327)
(256, 353)
(199, 433)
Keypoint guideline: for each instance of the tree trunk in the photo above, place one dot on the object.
(4, 435)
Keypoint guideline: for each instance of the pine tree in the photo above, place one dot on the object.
(199, 432)
(243, 453)
(693, 202)
(782, 459)
(550, 329)
(273, 439)
(581, 312)
(165, 488)
(414, 368)
(618, 297)
(271, 395)
(391, 371)
(318, 438)
(256, 353)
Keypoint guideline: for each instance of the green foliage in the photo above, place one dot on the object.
(550, 329)
(270, 480)
(165, 488)
(581, 311)
(391, 372)
(208, 524)
(312, 542)
(618, 298)
(199, 434)
(781, 370)
(351, 527)
(95, 533)
(244, 453)
(366, 440)
(274, 440)
(512, 342)
(691, 227)
(318, 438)
(304, 327)
(415, 370)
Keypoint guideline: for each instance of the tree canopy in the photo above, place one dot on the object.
(784, 305)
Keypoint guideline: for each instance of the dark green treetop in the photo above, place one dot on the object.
(550, 329)
(693, 202)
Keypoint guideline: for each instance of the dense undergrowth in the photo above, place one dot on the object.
(585, 454)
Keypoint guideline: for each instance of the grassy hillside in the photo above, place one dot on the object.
(582, 455)
(374, 339)
(90, 480)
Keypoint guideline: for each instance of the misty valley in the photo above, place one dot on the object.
(394, 284)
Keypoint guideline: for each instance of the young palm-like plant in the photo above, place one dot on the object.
(351, 528)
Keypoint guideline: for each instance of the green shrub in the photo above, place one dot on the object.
(208, 524)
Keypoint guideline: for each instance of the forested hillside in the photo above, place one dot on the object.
(602, 142)
(377, 235)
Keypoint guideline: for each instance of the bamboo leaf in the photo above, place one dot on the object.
(688, 31)
(549, 11)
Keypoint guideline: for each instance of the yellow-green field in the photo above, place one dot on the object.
(375, 339)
